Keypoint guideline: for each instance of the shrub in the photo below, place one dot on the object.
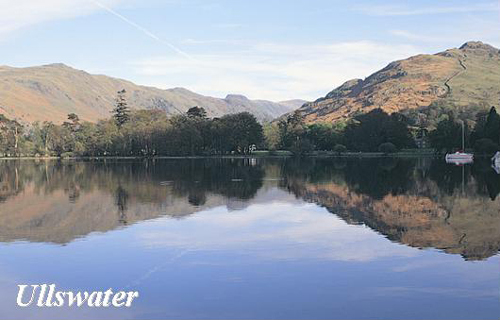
(302, 147)
(339, 148)
(67, 155)
(387, 147)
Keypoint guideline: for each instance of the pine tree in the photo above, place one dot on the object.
(492, 126)
(121, 111)
(197, 113)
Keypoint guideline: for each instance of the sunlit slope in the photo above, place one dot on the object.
(50, 92)
(468, 76)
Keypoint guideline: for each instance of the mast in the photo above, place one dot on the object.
(463, 136)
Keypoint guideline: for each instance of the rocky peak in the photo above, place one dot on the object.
(236, 97)
(478, 46)
(57, 65)
(345, 88)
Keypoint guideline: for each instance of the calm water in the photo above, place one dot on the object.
(255, 238)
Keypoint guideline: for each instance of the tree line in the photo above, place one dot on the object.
(375, 131)
(150, 133)
(134, 133)
(483, 135)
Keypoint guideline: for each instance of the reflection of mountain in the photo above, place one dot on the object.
(56, 202)
(421, 214)
(419, 203)
(39, 217)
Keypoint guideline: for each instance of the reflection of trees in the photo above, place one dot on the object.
(121, 199)
(11, 183)
(488, 179)
(374, 177)
(492, 184)
(414, 202)
(140, 180)
(232, 178)
(449, 178)
(379, 177)
(481, 176)
(57, 201)
(197, 198)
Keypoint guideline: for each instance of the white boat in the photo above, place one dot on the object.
(460, 157)
(495, 162)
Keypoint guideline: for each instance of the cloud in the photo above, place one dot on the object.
(17, 14)
(272, 70)
(417, 37)
(452, 35)
(273, 231)
(398, 10)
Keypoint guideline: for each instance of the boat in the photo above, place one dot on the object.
(460, 157)
(495, 162)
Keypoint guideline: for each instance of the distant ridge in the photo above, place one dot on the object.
(50, 92)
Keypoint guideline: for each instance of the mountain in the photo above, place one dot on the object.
(52, 91)
(463, 77)
(295, 103)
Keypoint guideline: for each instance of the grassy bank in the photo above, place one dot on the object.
(256, 154)
(409, 153)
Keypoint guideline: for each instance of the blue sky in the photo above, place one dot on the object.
(270, 49)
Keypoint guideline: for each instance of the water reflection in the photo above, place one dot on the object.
(417, 202)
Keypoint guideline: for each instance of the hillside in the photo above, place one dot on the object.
(468, 76)
(52, 91)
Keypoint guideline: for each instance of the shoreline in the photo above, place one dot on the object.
(265, 154)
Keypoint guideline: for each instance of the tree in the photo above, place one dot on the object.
(11, 134)
(121, 112)
(368, 131)
(486, 134)
(339, 148)
(106, 138)
(54, 138)
(492, 126)
(196, 113)
(75, 120)
(145, 133)
(184, 136)
(291, 129)
(448, 135)
(324, 136)
(302, 147)
(479, 128)
(387, 147)
(271, 136)
(46, 133)
(242, 132)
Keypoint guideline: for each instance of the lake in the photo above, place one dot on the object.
(255, 238)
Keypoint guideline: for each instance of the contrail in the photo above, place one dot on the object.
(142, 29)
